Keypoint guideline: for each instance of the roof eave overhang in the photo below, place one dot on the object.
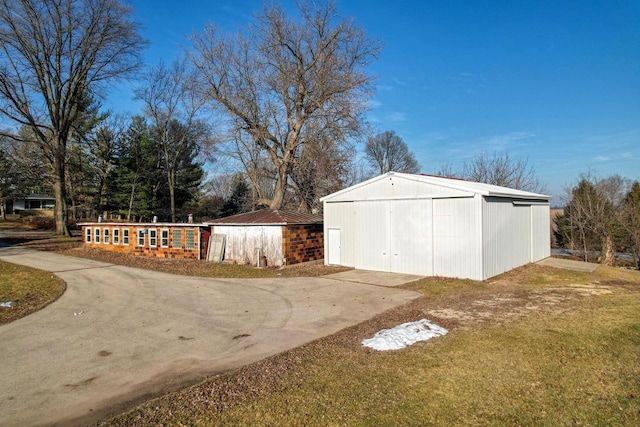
(530, 196)
(250, 224)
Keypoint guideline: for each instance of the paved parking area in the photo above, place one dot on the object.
(569, 264)
(374, 277)
(120, 335)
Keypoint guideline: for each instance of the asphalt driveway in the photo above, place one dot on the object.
(120, 335)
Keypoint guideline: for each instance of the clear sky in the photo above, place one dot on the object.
(557, 82)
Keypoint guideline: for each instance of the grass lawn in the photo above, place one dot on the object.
(536, 346)
(29, 289)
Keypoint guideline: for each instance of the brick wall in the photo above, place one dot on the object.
(302, 243)
(173, 248)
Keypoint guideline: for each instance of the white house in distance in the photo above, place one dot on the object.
(434, 226)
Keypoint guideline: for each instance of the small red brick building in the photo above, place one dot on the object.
(282, 237)
(164, 240)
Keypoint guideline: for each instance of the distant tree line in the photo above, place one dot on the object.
(603, 215)
(497, 169)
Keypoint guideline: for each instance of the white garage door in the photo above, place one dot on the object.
(372, 235)
(395, 236)
(411, 237)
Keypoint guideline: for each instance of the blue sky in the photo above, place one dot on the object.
(557, 82)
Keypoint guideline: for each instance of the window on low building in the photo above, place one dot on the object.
(87, 235)
(176, 242)
(105, 240)
(32, 204)
(141, 237)
(116, 236)
(125, 236)
(153, 237)
(164, 238)
(96, 235)
(190, 241)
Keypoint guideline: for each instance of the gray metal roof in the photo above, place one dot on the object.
(268, 217)
(142, 224)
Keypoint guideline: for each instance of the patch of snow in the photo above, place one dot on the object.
(7, 304)
(404, 335)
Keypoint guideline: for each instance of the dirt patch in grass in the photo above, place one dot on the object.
(25, 290)
(538, 346)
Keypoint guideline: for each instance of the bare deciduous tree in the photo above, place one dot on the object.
(594, 211)
(631, 219)
(320, 169)
(103, 145)
(172, 104)
(502, 170)
(447, 171)
(285, 84)
(54, 52)
(387, 152)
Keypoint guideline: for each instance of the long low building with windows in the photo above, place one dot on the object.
(269, 237)
(163, 240)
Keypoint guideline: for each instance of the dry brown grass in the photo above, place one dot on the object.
(29, 289)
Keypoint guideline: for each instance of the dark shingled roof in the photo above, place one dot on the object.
(268, 217)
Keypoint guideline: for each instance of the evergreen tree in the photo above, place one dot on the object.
(591, 220)
(140, 187)
(181, 172)
(135, 176)
(239, 200)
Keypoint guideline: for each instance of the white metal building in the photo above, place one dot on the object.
(434, 226)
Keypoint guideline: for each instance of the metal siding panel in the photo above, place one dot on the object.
(454, 238)
(411, 237)
(372, 235)
(541, 232)
(506, 236)
(341, 216)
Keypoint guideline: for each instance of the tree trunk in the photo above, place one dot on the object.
(60, 191)
(172, 195)
(584, 244)
(281, 188)
(98, 201)
(133, 192)
(607, 254)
